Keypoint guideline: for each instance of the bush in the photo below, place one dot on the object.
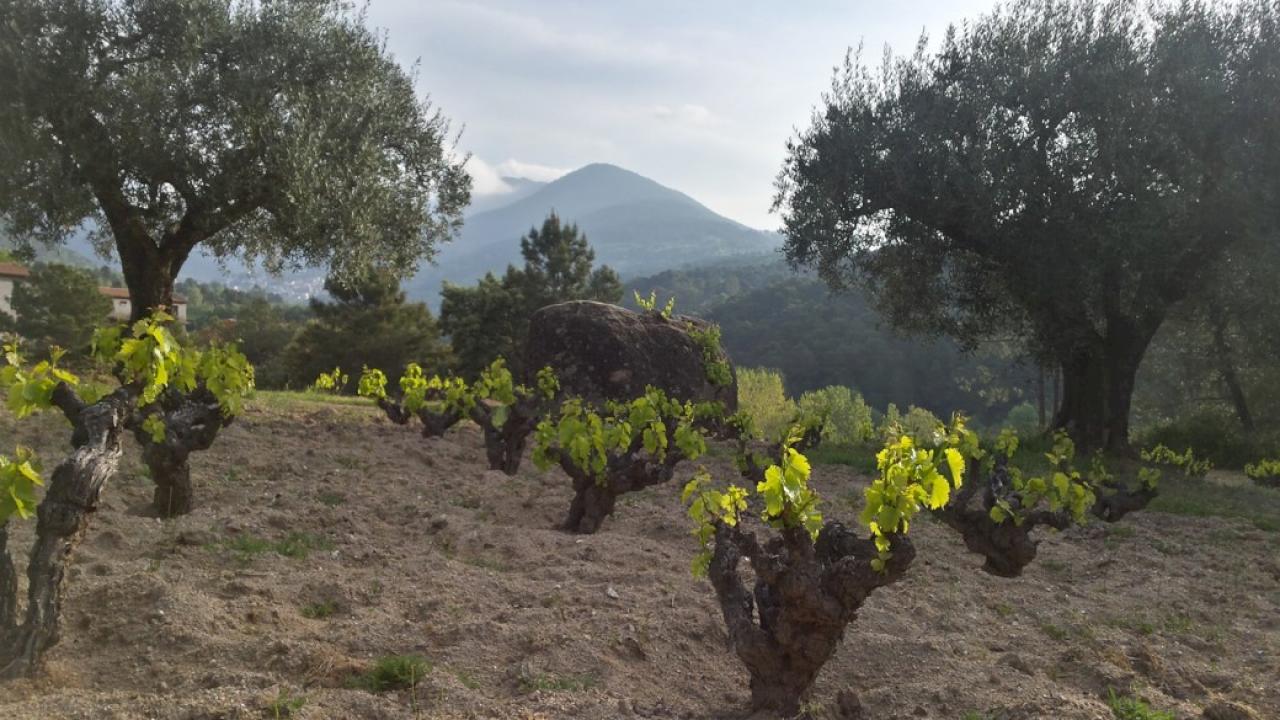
(762, 395)
(1023, 419)
(1212, 434)
(847, 418)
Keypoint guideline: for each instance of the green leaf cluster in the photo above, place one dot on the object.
(330, 383)
(788, 501)
(1064, 488)
(31, 389)
(911, 478)
(650, 304)
(1187, 461)
(1263, 469)
(713, 359)
(19, 477)
(147, 355)
(588, 437)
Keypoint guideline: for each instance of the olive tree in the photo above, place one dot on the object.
(1061, 171)
(276, 132)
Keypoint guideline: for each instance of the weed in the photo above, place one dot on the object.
(393, 672)
(1133, 709)
(468, 680)
(332, 499)
(319, 610)
(284, 705)
(1004, 610)
(531, 681)
(300, 545)
(1054, 566)
(296, 545)
(1056, 632)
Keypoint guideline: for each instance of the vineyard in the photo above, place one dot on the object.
(329, 538)
(1050, 233)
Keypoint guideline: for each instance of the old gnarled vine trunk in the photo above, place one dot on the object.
(191, 423)
(62, 517)
(805, 594)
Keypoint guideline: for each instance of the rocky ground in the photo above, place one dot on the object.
(326, 538)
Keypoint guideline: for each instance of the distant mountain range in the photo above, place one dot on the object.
(635, 225)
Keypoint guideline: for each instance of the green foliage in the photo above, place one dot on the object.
(1213, 434)
(492, 317)
(763, 398)
(1187, 462)
(367, 323)
(265, 104)
(788, 502)
(393, 672)
(497, 385)
(972, 185)
(1063, 488)
(147, 354)
(713, 357)
(651, 304)
(59, 305)
(285, 704)
(319, 610)
(435, 394)
(588, 439)
(331, 383)
(1128, 708)
(845, 418)
(31, 389)
(1264, 472)
(1023, 419)
(911, 478)
(19, 478)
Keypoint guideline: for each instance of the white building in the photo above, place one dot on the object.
(121, 307)
(10, 274)
(13, 273)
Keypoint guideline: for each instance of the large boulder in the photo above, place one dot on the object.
(605, 352)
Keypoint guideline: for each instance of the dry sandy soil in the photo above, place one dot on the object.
(417, 549)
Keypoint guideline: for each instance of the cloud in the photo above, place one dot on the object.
(687, 114)
(530, 171)
(485, 179)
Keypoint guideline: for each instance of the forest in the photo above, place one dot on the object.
(992, 434)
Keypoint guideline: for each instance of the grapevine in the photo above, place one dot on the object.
(1264, 472)
(627, 447)
(173, 398)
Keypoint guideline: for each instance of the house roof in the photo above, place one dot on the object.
(13, 270)
(123, 294)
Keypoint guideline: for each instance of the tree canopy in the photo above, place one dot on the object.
(491, 318)
(283, 132)
(367, 323)
(59, 305)
(1062, 171)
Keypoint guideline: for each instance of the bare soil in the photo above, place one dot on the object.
(411, 547)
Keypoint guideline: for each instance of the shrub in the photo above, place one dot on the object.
(1023, 419)
(1214, 435)
(846, 417)
(1264, 472)
(761, 395)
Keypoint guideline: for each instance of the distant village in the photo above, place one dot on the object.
(13, 274)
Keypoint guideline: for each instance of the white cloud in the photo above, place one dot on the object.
(687, 114)
(530, 171)
(485, 179)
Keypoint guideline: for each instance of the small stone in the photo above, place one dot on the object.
(196, 538)
(613, 594)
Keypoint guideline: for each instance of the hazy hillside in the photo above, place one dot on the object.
(635, 225)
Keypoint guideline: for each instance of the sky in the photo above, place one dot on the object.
(698, 95)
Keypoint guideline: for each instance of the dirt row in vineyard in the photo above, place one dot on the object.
(412, 547)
